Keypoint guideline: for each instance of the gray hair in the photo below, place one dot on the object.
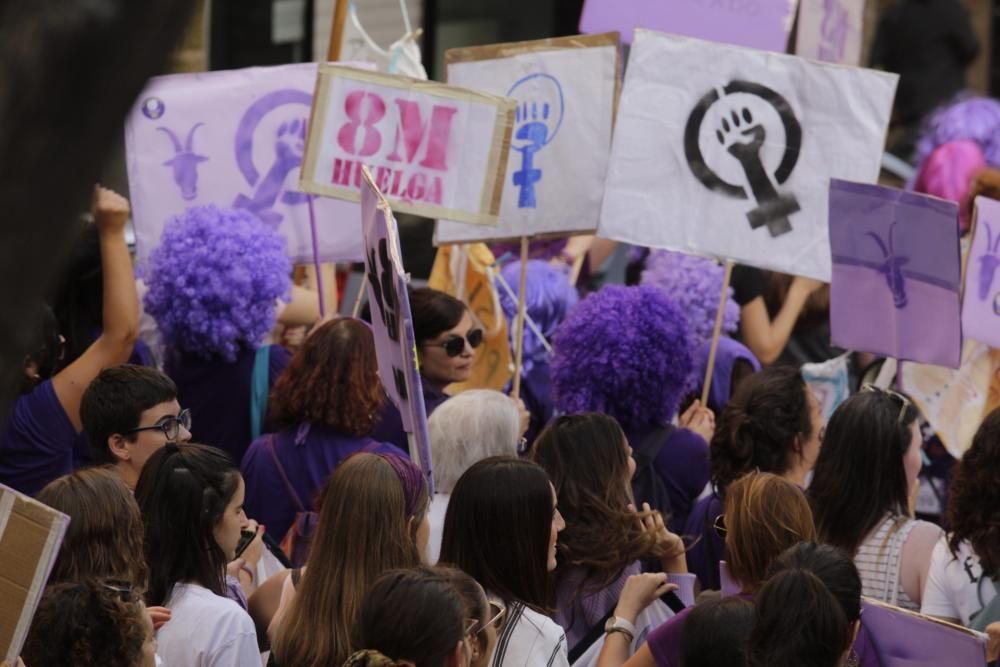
(470, 427)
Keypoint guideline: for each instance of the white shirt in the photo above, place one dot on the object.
(435, 516)
(952, 584)
(206, 630)
(529, 639)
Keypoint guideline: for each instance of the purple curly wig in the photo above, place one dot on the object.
(694, 284)
(548, 299)
(974, 118)
(214, 279)
(623, 351)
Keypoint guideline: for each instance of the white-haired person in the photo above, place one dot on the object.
(465, 429)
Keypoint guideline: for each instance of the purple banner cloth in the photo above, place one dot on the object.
(762, 24)
(903, 639)
(896, 273)
(981, 304)
(232, 138)
(392, 323)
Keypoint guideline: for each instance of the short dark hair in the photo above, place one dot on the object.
(859, 475)
(806, 609)
(716, 632)
(758, 427)
(394, 618)
(434, 312)
(183, 492)
(86, 624)
(115, 400)
(497, 529)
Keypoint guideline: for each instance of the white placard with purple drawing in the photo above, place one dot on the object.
(728, 152)
(232, 139)
(830, 30)
(561, 140)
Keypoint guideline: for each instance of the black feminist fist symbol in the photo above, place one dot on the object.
(743, 137)
(384, 288)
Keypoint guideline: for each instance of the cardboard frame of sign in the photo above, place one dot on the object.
(392, 323)
(572, 85)
(728, 152)
(433, 149)
(232, 138)
(30, 536)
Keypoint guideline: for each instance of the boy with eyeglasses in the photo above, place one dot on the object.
(128, 413)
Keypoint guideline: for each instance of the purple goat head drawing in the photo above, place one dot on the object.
(184, 162)
(891, 268)
(988, 264)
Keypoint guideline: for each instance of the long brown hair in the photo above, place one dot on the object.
(331, 380)
(765, 514)
(363, 532)
(104, 537)
(586, 460)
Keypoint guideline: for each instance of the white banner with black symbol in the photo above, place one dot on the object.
(728, 152)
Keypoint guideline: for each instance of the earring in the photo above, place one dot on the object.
(853, 659)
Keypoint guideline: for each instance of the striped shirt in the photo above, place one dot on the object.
(529, 639)
(880, 559)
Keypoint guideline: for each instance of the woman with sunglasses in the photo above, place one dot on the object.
(446, 339)
(37, 440)
(395, 627)
(862, 494)
(764, 516)
(372, 519)
(191, 498)
(324, 405)
(501, 529)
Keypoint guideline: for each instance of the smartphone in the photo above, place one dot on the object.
(246, 537)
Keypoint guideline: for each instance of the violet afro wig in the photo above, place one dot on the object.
(214, 279)
(974, 118)
(548, 299)
(693, 283)
(623, 351)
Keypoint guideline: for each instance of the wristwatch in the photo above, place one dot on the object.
(616, 624)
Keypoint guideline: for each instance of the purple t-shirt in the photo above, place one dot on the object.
(390, 426)
(217, 392)
(308, 455)
(684, 467)
(577, 612)
(704, 555)
(36, 441)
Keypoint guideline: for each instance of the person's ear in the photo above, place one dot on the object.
(460, 657)
(30, 367)
(118, 446)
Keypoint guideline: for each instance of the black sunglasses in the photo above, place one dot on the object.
(720, 526)
(904, 402)
(123, 589)
(170, 426)
(456, 344)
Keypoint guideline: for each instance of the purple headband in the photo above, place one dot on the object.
(411, 478)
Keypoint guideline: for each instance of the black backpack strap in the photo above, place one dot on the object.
(292, 494)
(591, 637)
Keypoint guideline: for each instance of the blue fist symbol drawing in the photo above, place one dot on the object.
(537, 119)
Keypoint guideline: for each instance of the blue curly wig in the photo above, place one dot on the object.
(693, 283)
(214, 279)
(623, 351)
(548, 299)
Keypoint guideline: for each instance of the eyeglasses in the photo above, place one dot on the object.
(904, 402)
(170, 426)
(456, 344)
(720, 526)
(497, 610)
(122, 588)
(522, 446)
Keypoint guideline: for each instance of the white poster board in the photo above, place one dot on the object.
(728, 152)
(566, 90)
(432, 149)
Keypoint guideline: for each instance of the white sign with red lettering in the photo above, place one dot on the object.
(432, 149)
